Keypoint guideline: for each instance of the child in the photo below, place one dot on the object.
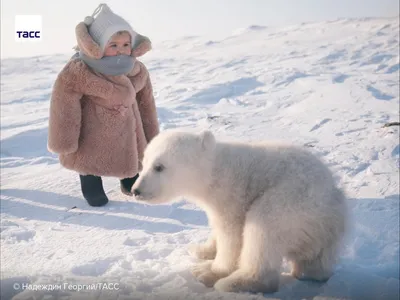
(102, 110)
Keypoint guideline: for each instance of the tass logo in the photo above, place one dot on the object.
(28, 28)
(29, 34)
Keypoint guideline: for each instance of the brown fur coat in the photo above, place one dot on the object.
(100, 125)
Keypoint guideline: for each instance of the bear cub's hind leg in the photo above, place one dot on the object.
(319, 269)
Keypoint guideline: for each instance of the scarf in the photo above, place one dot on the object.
(109, 65)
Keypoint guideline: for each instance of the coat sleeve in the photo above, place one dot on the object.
(64, 115)
(148, 110)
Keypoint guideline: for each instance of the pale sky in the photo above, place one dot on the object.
(169, 19)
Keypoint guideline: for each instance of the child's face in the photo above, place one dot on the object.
(120, 43)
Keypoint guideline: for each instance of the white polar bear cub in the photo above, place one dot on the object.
(264, 202)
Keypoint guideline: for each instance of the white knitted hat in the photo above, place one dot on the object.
(104, 23)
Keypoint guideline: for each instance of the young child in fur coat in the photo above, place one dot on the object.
(102, 109)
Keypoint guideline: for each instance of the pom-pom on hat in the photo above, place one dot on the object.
(95, 31)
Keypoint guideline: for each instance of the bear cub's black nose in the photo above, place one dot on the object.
(136, 192)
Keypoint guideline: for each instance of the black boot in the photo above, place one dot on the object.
(93, 191)
(127, 183)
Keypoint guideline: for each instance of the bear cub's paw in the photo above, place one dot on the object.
(203, 273)
(240, 281)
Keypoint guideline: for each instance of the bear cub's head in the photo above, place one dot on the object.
(175, 164)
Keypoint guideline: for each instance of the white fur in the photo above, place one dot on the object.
(264, 202)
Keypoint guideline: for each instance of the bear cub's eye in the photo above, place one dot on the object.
(158, 167)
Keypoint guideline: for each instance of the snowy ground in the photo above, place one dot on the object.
(329, 86)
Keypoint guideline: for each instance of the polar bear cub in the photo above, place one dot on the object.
(264, 201)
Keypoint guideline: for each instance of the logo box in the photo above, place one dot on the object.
(28, 28)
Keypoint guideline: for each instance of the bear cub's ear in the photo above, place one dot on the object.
(207, 140)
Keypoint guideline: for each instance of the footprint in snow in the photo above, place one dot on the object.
(340, 78)
(379, 95)
(360, 168)
(135, 242)
(19, 236)
(144, 254)
(333, 56)
(7, 224)
(95, 268)
(13, 233)
(349, 131)
(320, 124)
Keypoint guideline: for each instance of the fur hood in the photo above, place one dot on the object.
(86, 44)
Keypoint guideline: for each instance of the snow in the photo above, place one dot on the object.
(330, 86)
